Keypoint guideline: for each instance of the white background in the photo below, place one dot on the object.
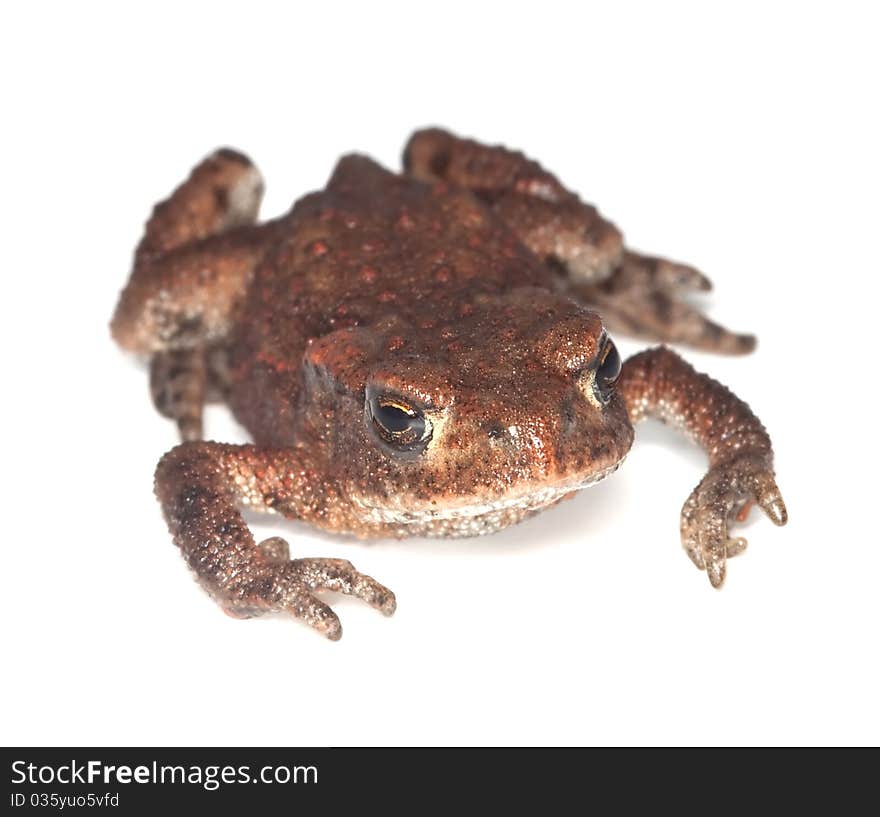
(744, 141)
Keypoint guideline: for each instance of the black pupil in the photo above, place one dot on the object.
(394, 419)
(609, 368)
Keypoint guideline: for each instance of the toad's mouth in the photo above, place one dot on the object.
(485, 516)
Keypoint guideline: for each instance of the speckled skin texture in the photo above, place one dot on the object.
(414, 353)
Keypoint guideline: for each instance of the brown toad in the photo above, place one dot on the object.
(416, 353)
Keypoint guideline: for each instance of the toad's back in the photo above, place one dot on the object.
(375, 246)
(372, 248)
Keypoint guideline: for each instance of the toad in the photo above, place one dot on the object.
(418, 353)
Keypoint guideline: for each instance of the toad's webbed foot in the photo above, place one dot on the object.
(724, 495)
(646, 297)
(289, 586)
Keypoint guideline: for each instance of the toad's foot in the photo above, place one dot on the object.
(723, 496)
(658, 383)
(201, 486)
(285, 585)
(646, 297)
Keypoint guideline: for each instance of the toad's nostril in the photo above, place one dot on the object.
(494, 430)
(568, 417)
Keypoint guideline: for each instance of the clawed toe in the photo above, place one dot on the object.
(771, 502)
(716, 565)
(674, 276)
(714, 559)
(340, 576)
(723, 497)
(309, 576)
(291, 586)
(303, 605)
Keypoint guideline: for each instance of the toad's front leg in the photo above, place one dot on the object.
(658, 383)
(200, 485)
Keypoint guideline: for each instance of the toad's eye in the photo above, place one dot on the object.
(596, 382)
(398, 423)
(607, 372)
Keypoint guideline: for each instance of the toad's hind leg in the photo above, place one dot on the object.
(650, 298)
(191, 271)
(549, 219)
(637, 295)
